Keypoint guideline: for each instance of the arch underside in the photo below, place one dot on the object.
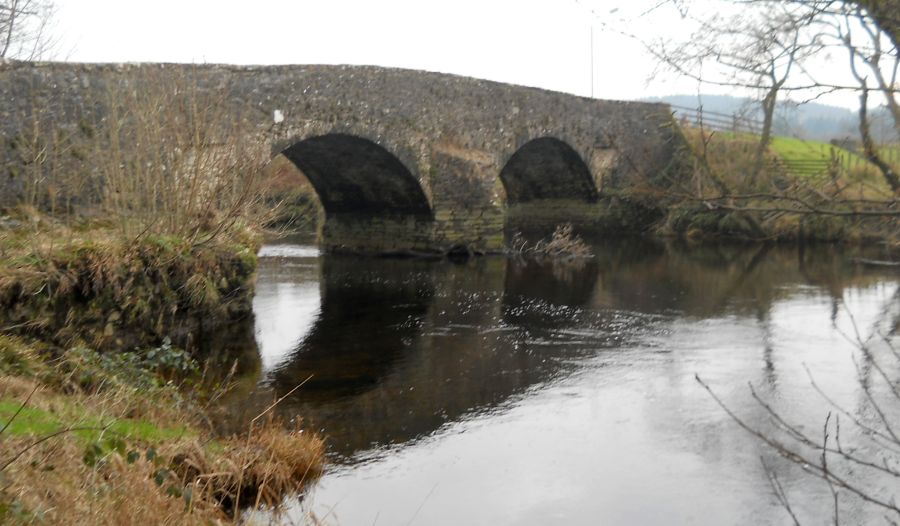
(355, 176)
(547, 168)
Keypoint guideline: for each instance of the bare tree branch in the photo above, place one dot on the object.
(23, 29)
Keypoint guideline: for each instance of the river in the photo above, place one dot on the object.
(505, 391)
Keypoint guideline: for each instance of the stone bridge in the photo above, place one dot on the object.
(403, 160)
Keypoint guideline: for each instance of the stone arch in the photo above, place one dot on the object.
(355, 176)
(547, 168)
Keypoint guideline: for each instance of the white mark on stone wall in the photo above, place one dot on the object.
(278, 117)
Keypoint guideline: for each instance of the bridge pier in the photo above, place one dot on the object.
(467, 198)
(377, 234)
(478, 231)
(545, 215)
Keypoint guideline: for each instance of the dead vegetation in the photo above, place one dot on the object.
(86, 440)
(720, 201)
(152, 154)
(564, 243)
(260, 470)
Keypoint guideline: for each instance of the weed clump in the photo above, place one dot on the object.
(564, 243)
(255, 470)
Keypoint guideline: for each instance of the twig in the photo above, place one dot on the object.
(276, 402)
(779, 491)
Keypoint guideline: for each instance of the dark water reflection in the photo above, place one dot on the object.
(502, 391)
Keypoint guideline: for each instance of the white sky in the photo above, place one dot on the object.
(543, 43)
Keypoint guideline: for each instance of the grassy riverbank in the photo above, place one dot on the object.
(845, 201)
(90, 438)
(102, 418)
(90, 286)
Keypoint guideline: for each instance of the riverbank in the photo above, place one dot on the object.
(733, 195)
(104, 416)
(748, 220)
(698, 221)
(706, 220)
(92, 438)
(91, 287)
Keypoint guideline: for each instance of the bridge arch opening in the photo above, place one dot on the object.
(369, 200)
(547, 168)
(354, 176)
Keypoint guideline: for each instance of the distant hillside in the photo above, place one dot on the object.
(811, 121)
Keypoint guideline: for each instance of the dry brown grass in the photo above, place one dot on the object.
(48, 481)
(730, 158)
(841, 204)
(259, 469)
(53, 486)
(106, 452)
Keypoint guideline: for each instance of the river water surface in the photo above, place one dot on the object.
(501, 391)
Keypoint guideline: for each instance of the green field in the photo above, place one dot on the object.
(809, 157)
(807, 153)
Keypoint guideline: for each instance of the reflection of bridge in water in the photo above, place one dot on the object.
(398, 348)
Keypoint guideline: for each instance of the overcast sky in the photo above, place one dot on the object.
(543, 43)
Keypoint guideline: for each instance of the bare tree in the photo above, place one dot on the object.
(839, 23)
(791, 36)
(759, 49)
(880, 57)
(886, 14)
(24, 28)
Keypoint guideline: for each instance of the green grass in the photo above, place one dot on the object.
(792, 149)
(29, 421)
(38, 422)
(800, 150)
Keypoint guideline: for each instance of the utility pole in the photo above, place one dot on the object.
(592, 56)
(593, 16)
(591, 10)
